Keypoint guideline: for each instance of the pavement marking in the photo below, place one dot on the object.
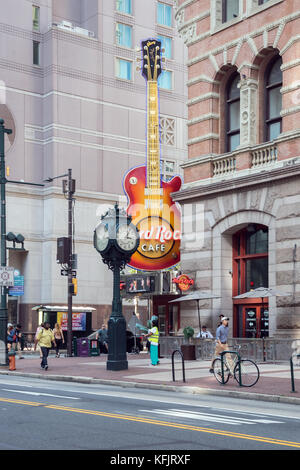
(236, 421)
(39, 393)
(217, 432)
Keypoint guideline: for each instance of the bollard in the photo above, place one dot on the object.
(12, 360)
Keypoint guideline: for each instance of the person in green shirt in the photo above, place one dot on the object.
(45, 338)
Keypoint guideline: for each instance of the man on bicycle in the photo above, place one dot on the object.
(221, 345)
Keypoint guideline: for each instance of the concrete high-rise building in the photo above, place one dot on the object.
(243, 168)
(73, 98)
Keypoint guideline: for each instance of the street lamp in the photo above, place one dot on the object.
(116, 239)
(69, 190)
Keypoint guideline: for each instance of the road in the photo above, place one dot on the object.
(41, 414)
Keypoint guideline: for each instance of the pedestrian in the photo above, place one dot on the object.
(204, 333)
(18, 340)
(102, 338)
(59, 338)
(44, 339)
(221, 343)
(39, 328)
(10, 336)
(153, 335)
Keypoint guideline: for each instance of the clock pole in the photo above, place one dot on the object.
(116, 254)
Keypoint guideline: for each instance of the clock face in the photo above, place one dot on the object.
(127, 237)
(102, 237)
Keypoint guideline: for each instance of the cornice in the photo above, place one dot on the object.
(242, 183)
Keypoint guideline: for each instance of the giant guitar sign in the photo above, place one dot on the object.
(150, 203)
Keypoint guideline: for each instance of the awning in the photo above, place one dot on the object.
(62, 308)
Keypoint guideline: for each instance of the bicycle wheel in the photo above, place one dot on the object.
(217, 367)
(249, 372)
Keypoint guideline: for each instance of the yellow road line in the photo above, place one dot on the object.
(186, 427)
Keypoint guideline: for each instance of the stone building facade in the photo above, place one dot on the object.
(243, 168)
(71, 94)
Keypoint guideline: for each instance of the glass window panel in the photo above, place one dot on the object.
(275, 75)
(35, 18)
(124, 6)
(166, 43)
(164, 14)
(256, 273)
(124, 35)
(36, 53)
(234, 91)
(165, 80)
(256, 242)
(232, 9)
(170, 167)
(234, 116)
(124, 69)
(234, 142)
(275, 103)
(274, 130)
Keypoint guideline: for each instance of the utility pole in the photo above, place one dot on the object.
(3, 308)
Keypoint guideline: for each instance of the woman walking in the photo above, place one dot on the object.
(59, 338)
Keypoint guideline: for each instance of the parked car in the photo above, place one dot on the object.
(130, 344)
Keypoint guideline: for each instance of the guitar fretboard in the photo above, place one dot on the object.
(153, 146)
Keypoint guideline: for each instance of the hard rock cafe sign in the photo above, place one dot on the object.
(151, 206)
(183, 282)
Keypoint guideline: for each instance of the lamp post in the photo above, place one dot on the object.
(3, 307)
(116, 239)
(69, 190)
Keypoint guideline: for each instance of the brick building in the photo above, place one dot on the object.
(243, 163)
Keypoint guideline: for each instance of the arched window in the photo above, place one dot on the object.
(233, 113)
(273, 83)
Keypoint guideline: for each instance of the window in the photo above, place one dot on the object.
(36, 53)
(124, 6)
(230, 10)
(167, 131)
(165, 80)
(164, 14)
(273, 83)
(124, 35)
(166, 44)
(233, 114)
(124, 69)
(35, 18)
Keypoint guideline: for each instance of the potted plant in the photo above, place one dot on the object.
(188, 350)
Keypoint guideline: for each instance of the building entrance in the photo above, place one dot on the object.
(253, 321)
(168, 314)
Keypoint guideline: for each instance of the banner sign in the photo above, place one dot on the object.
(18, 288)
(78, 321)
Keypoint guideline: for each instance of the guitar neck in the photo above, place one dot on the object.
(153, 141)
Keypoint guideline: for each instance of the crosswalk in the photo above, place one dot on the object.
(211, 417)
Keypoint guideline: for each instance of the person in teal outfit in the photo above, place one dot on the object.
(153, 336)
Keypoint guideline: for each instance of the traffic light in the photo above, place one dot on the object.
(74, 286)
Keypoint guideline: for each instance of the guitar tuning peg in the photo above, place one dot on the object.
(138, 69)
(138, 59)
(163, 50)
(163, 59)
(138, 49)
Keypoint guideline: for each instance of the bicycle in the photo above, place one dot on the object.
(245, 371)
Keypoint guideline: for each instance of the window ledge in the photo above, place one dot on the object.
(265, 6)
(228, 24)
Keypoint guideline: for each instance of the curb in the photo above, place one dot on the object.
(163, 387)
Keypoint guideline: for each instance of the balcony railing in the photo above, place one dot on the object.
(224, 165)
(264, 155)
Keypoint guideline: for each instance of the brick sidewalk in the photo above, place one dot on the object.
(274, 382)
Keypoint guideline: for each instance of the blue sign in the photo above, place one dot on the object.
(18, 288)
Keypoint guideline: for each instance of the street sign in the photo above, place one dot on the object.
(64, 272)
(18, 289)
(6, 276)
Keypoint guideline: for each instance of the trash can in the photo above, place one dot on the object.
(82, 347)
(94, 348)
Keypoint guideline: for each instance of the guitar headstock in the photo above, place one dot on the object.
(151, 59)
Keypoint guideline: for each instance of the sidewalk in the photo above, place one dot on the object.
(274, 383)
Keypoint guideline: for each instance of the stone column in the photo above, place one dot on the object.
(248, 112)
